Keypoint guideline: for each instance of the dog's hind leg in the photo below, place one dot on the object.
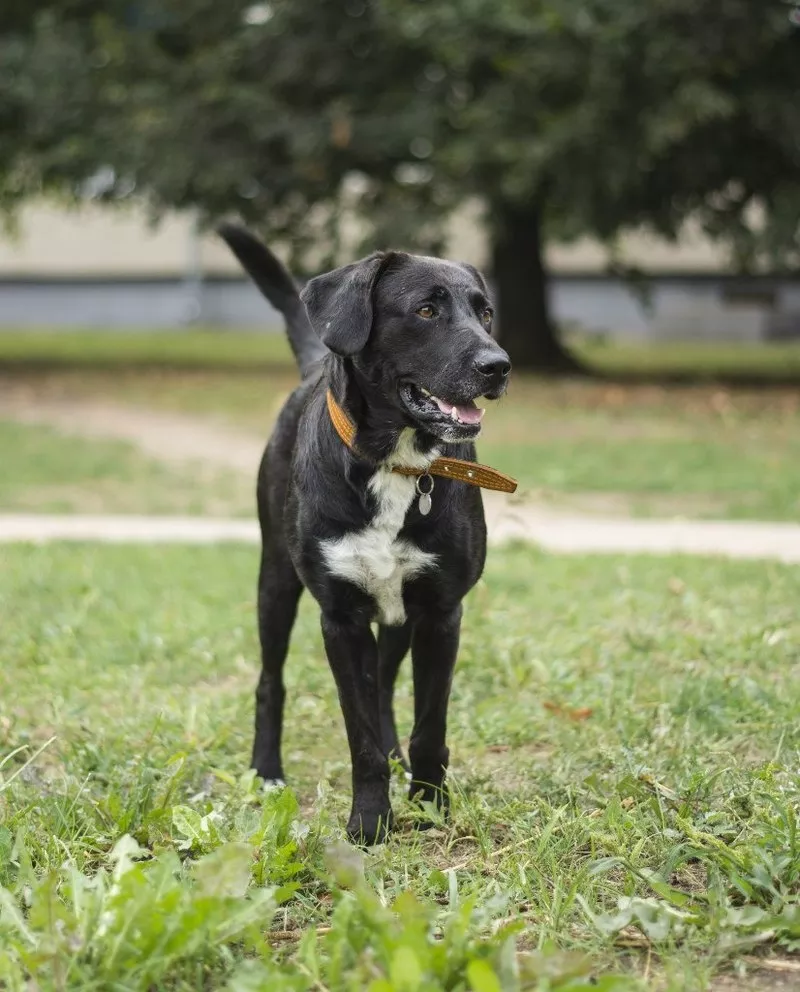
(393, 645)
(279, 590)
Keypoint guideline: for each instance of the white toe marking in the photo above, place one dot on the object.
(270, 784)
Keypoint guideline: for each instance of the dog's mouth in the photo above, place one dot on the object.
(462, 418)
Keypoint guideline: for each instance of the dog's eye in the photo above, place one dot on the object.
(486, 316)
(427, 312)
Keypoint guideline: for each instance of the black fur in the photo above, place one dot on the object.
(339, 304)
(278, 286)
(391, 322)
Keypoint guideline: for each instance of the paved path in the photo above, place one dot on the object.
(566, 534)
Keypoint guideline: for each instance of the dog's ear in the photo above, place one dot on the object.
(477, 276)
(339, 303)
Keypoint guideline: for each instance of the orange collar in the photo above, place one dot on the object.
(448, 468)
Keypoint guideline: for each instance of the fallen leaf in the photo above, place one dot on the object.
(582, 713)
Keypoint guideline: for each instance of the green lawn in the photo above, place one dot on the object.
(625, 737)
(698, 451)
(210, 348)
(702, 450)
(44, 471)
(691, 451)
(189, 348)
(689, 359)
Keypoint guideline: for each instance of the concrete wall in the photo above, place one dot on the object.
(102, 267)
(676, 307)
(94, 241)
(682, 307)
(140, 303)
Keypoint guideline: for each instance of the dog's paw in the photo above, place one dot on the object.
(366, 828)
(272, 784)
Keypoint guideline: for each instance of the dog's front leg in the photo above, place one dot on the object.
(434, 647)
(353, 657)
(393, 645)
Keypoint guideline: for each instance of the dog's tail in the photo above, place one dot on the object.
(272, 278)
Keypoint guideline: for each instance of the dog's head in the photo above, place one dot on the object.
(420, 330)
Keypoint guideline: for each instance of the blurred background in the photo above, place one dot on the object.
(625, 727)
(628, 176)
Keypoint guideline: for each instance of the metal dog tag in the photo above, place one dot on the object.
(424, 494)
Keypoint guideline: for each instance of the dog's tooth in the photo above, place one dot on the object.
(454, 415)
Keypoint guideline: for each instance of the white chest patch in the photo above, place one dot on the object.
(374, 558)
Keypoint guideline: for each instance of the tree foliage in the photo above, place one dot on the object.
(567, 118)
(616, 114)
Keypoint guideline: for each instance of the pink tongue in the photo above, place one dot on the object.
(466, 414)
(469, 414)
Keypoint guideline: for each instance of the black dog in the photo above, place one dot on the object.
(393, 351)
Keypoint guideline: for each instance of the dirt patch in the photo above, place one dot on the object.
(170, 437)
(506, 426)
(771, 979)
(596, 395)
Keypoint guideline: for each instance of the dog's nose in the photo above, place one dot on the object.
(493, 366)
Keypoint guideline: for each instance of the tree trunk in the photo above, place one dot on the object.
(525, 328)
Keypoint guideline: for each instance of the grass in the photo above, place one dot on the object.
(48, 472)
(625, 737)
(663, 451)
(208, 348)
(772, 361)
(589, 446)
(703, 451)
(188, 348)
